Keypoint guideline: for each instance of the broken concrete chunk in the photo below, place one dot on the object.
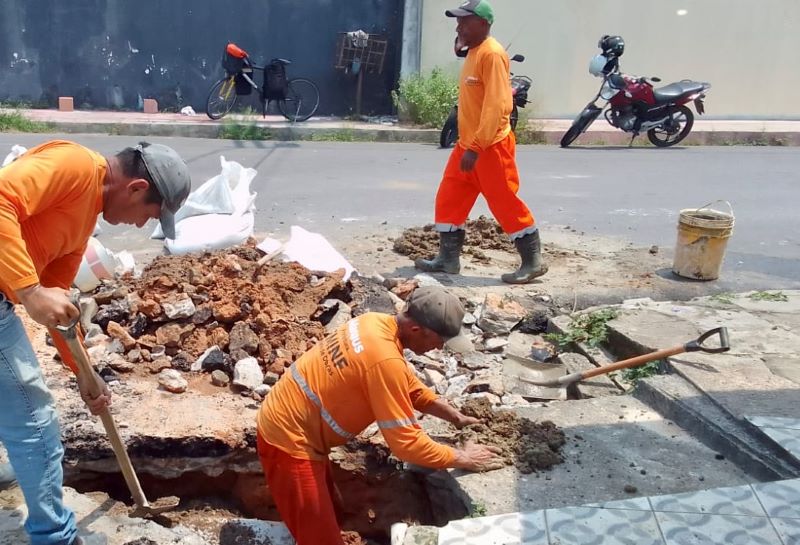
(115, 346)
(172, 381)
(135, 355)
(499, 315)
(212, 359)
(477, 360)
(89, 308)
(242, 531)
(118, 363)
(271, 378)
(495, 344)
(262, 390)
(247, 374)
(138, 325)
(432, 378)
(96, 339)
(182, 361)
(469, 319)
(457, 386)
(179, 307)
(173, 334)
(117, 311)
(220, 378)
(116, 331)
(202, 314)
(492, 384)
(159, 364)
(149, 308)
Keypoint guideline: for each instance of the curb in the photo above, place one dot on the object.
(380, 133)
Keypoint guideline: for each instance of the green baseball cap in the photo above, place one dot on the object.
(481, 8)
(171, 177)
(440, 311)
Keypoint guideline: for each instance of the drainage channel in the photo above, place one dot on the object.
(375, 491)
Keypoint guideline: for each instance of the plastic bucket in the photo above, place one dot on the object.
(97, 263)
(703, 235)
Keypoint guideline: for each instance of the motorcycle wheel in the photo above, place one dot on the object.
(514, 118)
(449, 133)
(666, 137)
(574, 132)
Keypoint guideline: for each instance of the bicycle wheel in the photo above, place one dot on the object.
(302, 100)
(221, 98)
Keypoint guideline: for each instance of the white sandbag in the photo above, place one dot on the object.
(311, 250)
(210, 232)
(226, 193)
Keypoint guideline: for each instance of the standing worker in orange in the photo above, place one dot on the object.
(483, 161)
(352, 378)
(50, 198)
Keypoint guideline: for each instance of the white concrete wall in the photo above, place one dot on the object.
(749, 50)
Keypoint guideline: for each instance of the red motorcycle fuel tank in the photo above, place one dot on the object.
(639, 92)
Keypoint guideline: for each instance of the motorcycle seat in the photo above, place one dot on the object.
(677, 90)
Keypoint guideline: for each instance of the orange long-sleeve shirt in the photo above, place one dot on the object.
(484, 97)
(50, 198)
(352, 378)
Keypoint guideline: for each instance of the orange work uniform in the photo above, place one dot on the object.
(50, 198)
(355, 376)
(484, 108)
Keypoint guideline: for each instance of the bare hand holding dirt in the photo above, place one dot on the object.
(478, 458)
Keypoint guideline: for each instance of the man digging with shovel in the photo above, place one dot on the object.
(482, 161)
(352, 378)
(50, 198)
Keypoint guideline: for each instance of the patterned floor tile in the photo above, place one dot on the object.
(788, 529)
(788, 439)
(781, 498)
(693, 529)
(775, 422)
(735, 500)
(510, 529)
(595, 526)
(637, 504)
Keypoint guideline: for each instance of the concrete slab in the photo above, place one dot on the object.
(616, 448)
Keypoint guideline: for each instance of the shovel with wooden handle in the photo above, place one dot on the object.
(692, 346)
(143, 507)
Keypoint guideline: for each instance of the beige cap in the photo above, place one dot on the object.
(440, 311)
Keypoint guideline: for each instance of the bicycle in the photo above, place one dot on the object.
(298, 98)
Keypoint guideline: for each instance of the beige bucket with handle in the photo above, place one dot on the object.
(703, 235)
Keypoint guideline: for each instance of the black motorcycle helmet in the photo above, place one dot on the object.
(612, 46)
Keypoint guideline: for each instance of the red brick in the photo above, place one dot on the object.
(65, 104)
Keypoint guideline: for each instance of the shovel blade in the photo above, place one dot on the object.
(520, 374)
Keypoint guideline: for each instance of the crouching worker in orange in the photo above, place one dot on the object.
(483, 160)
(352, 378)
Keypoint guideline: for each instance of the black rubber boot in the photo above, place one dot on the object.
(448, 261)
(530, 250)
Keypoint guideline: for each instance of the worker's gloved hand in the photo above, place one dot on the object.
(475, 457)
(95, 404)
(468, 160)
(50, 307)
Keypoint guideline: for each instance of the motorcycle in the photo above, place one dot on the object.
(633, 105)
(520, 85)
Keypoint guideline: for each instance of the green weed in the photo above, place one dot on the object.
(590, 328)
(14, 121)
(723, 297)
(643, 371)
(426, 100)
(775, 297)
(233, 130)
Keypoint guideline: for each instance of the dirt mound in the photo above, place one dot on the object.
(482, 234)
(528, 445)
(182, 307)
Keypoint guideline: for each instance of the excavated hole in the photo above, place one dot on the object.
(375, 493)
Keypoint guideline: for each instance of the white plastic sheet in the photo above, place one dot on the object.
(311, 250)
(218, 214)
(16, 151)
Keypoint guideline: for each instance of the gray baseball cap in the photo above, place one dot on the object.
(440, 311)
(172, 179)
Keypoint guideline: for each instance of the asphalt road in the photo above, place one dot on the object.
(345, 188)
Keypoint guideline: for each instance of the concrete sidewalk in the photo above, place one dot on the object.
(705, 132)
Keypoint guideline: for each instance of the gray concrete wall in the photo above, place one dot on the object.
(747, 49)
(109, 53)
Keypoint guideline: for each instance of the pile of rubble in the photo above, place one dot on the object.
(219, 313)
(482, 234)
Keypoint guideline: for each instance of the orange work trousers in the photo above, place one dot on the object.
(495, 176)
(303, 494)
